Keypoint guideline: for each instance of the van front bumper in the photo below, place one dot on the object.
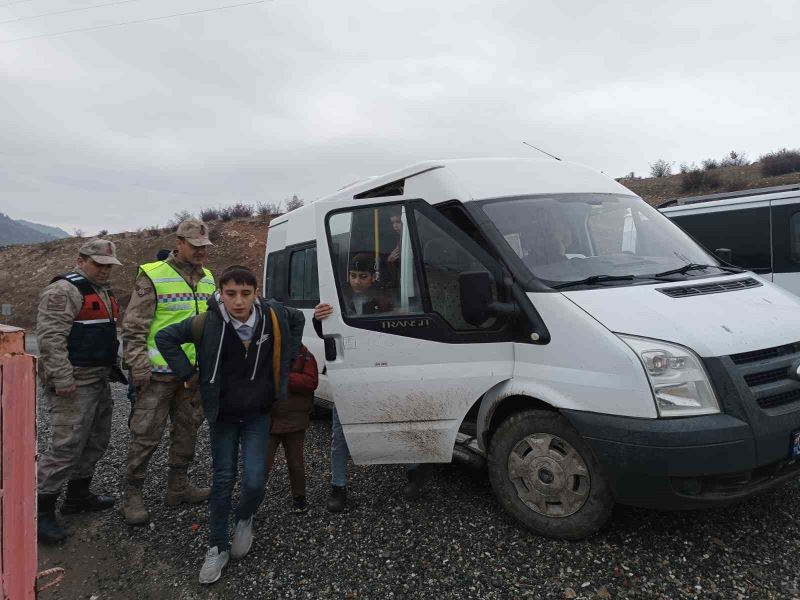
(693, 462)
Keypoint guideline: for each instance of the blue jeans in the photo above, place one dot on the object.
(340, 453)
(253, 436)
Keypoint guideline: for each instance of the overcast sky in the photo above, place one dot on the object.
(121, 127)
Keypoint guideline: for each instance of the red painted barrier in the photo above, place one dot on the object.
(18, 557)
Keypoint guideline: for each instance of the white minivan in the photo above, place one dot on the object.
(540, 314)
(757, 229)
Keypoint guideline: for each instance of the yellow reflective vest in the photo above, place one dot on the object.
(175, 301)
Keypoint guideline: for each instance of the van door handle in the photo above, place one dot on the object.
(330, 347)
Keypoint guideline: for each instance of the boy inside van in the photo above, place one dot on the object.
(245, 347)
(361, 297)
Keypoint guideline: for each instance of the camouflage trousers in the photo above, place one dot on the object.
(81, 425)
(155, 402)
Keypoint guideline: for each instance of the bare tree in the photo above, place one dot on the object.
(267, 209)
(78, 233)
(661, 168)
(734, 159)
(294, 203)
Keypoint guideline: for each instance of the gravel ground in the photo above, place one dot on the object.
(454, 542)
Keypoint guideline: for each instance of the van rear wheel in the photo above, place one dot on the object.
(546, 476)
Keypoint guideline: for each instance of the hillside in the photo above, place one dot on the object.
(26, 269)
(657, 189)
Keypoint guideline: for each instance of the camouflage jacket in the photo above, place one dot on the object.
(59, 304)
(139, 317)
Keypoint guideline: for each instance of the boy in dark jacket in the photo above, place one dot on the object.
(290, 419)
(245, 346)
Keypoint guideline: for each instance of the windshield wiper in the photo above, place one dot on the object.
(593, 279)
(696, 267)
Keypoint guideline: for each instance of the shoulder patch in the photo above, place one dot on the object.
(57, 302)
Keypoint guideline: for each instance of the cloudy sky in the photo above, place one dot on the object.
(121, 127)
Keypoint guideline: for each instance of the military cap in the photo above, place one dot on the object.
(103, 252)
(195, 232)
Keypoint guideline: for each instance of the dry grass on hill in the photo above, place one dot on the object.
(26, 269)
(657, 189)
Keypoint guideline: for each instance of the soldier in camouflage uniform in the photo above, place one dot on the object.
(165, 292)
(77, 332)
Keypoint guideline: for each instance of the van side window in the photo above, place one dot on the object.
(794, 236)
(746, 232)
(443, 260)
(275, 285)
(303, 279)
(374, 262)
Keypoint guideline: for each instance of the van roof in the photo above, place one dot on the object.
(740, 196)
(470, 179)
(480, 178)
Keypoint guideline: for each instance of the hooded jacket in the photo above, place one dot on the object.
(287, 328)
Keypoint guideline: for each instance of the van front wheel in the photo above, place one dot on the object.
(546, 477)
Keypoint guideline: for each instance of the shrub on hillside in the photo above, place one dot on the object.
(267, 209)
(78, 233)
(710, 163)
(661, 168)
(178, 218)
(694, 179)
(102, 233)
(780, 162)
(734, 159)
(236, 211)
(209, 214)
(293, 203)
(153, 231)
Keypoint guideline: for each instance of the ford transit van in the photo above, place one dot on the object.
(540, 316)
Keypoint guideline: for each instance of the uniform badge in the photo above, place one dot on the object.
(57, 303)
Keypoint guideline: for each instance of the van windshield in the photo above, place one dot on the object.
(572, 237)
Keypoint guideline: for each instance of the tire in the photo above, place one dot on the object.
(552, 485)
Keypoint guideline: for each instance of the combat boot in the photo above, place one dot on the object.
(181, 490)
(81, 499)
(133, 510)
(48, 529)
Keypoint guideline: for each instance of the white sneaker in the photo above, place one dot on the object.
(213, 565)
(242, 538)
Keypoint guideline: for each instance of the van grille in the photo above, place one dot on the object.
(768, 374)
(709, 288)
(767, 353)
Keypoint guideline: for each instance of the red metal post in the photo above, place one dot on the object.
(18, 556)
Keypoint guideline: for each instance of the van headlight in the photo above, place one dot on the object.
(680, 384)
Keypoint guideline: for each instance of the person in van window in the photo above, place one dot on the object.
(245, 347)
(340, 453)
(289, 422)
(393, 260)
(361, 297)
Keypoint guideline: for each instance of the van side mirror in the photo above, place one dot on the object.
(724, 254)
(475, 294)
(477, 303)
